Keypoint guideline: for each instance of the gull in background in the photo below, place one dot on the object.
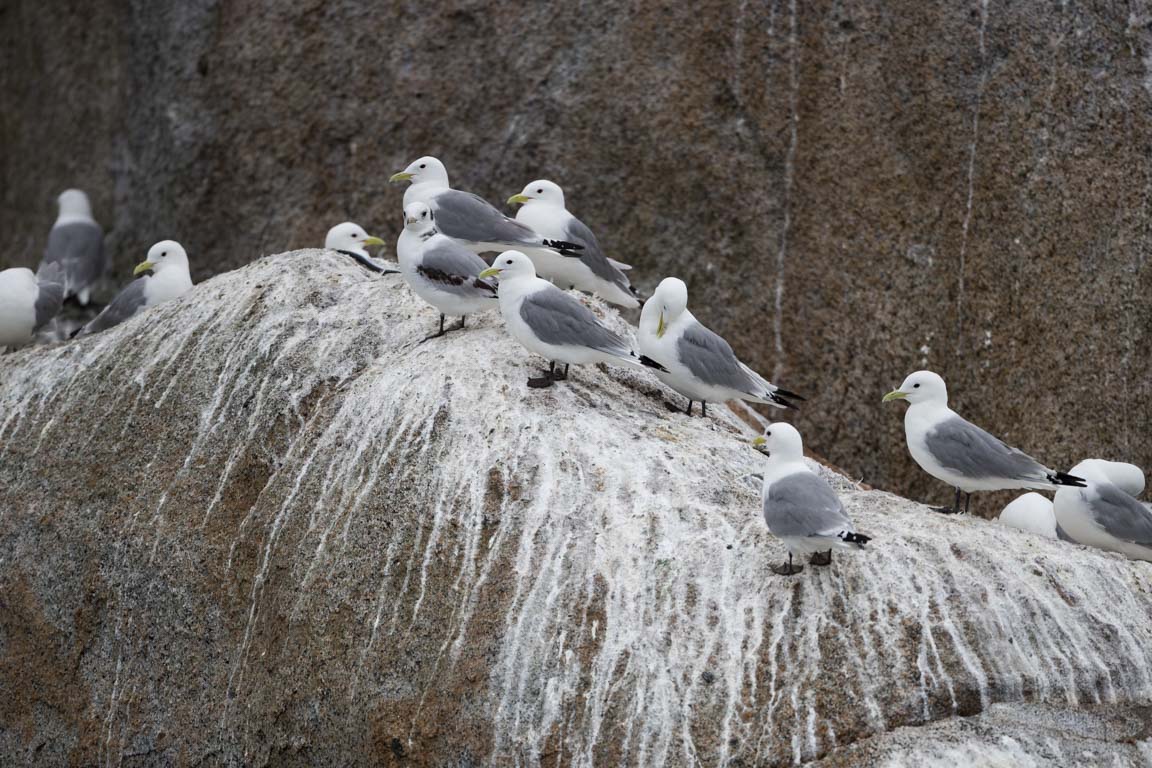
(542, 209)
(350, 239)
(169, 280)
(28, 302)
(698, 363)
(440, 270)
(960, 453)
(800, 507)
(475, 222)
(551, 323)
(76, 243)
(1101, 514)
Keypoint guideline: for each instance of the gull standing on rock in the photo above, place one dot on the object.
(699, 364)
(800, 508)
(961, 453)
(1100, 514)
(350, 239)
(440, 270)
(553, 324)
(169, 280)
(76, 243)
(475, 222)
(542, 209)
(28, 302)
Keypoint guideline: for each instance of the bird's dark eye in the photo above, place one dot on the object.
(422, 164)
(539, 191)
(767, 434)
(915, 386)
(163, 254)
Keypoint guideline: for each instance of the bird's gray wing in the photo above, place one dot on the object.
(127, 303)
(963, 447)
(803, 504)
(455, 269)
(557, 318)
(472, 218)
(78, 248)
(50, 297)
(592, 256)
(712, 360)
(1121, 515)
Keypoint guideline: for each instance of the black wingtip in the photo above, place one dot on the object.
(850, 537)
(1061, 478)
(789, 395)
(564, 247)
(775, 399)
(645, 360)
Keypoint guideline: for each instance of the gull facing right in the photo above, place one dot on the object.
(960, 453)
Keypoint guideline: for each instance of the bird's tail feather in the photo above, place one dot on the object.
(1061, 478)
(563, 247)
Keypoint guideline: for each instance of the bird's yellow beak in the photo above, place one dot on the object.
(490, 272)
(758, 440)
(373, 241)
(143, 266)
(518, 199)
(402, 176)
(894, 395)
(660, 327)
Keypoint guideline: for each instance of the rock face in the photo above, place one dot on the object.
(265, 525)
(852, 191)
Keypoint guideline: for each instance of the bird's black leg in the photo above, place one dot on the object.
(461, 326)
(952, 510)
(688, 410)
(821, 558)
(967, 502)
(547, 380)
(436, 335)
(703, 408)
(787, 569)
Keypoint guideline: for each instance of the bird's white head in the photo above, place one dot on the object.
(165, 255)
(510, 264)
(540, 191)
(74, 204)
(668, 302)
(418, 218)
(351, 238)
(921, 387)
(423, 171)
(781, 442)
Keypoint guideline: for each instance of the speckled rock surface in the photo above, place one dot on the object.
(265, 525)
(852, 190)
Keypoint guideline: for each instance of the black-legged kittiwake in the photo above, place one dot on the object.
(28, 302)
(960, 453)
(1031, 512)
(1103, 515)
(553, 324)
(800, 507)
(169, 280)
(440, 270)
(474, 221)
(542, 209)
(351, 240)
(76, 243)
(699, 364)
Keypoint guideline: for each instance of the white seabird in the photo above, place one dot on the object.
(699, 363)
(1103, 515)
(351, 240)
(169, 280)
(542, 208)
(800, 508)
(76, 243)
(551, 323)
(28, 302)
(960, 453)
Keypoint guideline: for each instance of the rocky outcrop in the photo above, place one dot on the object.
(265, 525)
(852, 190)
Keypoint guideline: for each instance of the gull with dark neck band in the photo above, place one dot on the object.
(960, 453)
(474, 221)
(169, 280)
(542, 208)
(440, 270)
(76, 243)
(698, 363)
(551, 323)
(351, 240)
(800, 508)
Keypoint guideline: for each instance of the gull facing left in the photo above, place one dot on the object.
(169, 280)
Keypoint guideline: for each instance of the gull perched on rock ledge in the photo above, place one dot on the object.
(169, 280)
(553, 324)
(1102, 514)
(76, 243)
(960, 453)
(28, 302)
(350, 239)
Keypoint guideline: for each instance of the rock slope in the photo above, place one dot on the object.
(265, 525)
